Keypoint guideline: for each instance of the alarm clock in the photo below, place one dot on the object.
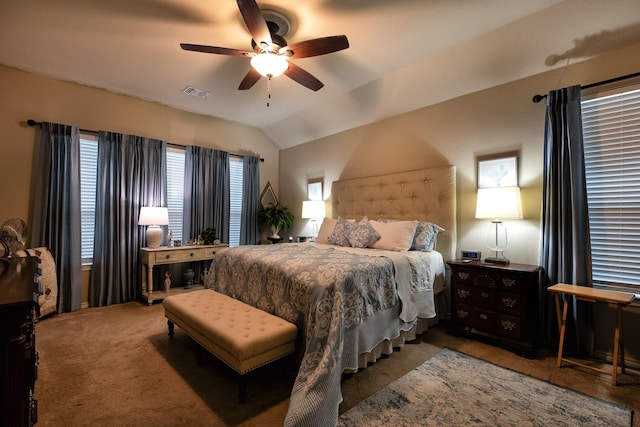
(471, 255)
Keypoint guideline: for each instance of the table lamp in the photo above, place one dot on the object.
(153, 218)
(497, 204)
(313, 210)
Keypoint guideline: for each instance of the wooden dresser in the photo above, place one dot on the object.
(19, 290)
(497, 302)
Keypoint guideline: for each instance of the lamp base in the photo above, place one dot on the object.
(154, 236)
(499, 261)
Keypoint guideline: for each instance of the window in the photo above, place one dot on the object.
(175, 193)
(88, 176)
(175, 190)
(611, 131)
(236, 175)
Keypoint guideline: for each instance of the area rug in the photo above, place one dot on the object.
(453, 389)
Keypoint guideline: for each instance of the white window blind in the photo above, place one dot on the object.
(611, 132)
(88, 176)
(175, 190)
(236, 183)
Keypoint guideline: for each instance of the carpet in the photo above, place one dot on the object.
(454, 389)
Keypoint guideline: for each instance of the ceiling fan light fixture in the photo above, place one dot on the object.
(269, 64)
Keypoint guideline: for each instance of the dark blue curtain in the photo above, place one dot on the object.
(132, 173)
(566, 245)
(206, 193)
(55, 215)
(249, 227)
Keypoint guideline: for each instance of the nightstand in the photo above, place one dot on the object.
(497, 302)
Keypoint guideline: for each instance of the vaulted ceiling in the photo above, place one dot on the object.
(403, 54)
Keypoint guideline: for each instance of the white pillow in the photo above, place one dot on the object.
(394, 236)
(327, 226)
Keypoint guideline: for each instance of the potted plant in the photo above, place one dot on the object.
(277, 217)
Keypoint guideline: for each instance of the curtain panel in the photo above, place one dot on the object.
(565, 241)
(55, 215)
(132, 173)
(249, 226)
(206, 192)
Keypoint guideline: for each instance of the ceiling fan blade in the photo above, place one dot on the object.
(316, 47)
(214, 49)
(250, 79)
(255, 22)
(303, 77)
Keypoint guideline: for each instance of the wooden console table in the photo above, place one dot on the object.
(584, 293)
(170, 255)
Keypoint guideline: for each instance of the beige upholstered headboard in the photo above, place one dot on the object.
(423, 195)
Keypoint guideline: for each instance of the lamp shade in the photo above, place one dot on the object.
(153, 216)
(269, 64)
(499, 202)
(313, 209)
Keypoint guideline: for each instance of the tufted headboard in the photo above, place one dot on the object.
(423, 195)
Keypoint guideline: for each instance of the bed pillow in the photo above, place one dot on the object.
(362, 234)
(326, 228)
(426, 236)
(394, 236)
(339, 234)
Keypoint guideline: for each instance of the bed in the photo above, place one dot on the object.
(351, 304)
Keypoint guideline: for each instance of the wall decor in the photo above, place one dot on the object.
(498, 172)
(268, 196)
(314, 189)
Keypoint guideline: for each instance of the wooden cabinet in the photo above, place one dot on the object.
(170, 255)
(496, 302)
(19, 290)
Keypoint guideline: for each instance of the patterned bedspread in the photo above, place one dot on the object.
(325, 292)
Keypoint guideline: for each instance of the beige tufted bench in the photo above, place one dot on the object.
(242, 336)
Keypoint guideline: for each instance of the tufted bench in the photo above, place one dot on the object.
(242, 336)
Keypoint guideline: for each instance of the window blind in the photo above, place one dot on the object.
(611, 133)
(236, 178)
(175, 190)
(88, 176)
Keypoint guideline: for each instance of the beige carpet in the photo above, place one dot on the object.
(116, 366)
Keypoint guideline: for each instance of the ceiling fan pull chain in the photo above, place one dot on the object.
(268, 91)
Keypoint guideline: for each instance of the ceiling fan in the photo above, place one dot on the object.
(271, 54)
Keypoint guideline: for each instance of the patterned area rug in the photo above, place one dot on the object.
(453, 389)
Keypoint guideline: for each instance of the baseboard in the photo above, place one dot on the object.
(630, 362)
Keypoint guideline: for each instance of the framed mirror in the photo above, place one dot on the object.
(268, 196)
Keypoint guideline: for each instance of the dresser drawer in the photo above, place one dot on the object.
(485, 320)
(483, 278)
(509, 326)
(464, 315)
(509, 303)
(475, 295)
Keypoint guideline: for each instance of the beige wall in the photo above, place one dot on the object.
(25, 96)
(457, 132)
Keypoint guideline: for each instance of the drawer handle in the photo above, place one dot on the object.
(463, 293)
(509, 302)
(484, 294)
(463, 275)
(509, 282)
(508, 325)
(484, 316)
(167, 256)
(462, 314)
(191, 254)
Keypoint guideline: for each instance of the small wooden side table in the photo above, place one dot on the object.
(584, 293)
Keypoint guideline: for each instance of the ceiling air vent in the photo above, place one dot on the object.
(195, 92)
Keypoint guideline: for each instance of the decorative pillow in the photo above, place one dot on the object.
(327, 226)
(362, 235)
(426, 236)
(339, 234)
(394, 236)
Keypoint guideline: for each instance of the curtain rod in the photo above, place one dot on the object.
(538, 98)
(33, 123)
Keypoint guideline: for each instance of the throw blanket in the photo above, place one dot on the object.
(325, 292)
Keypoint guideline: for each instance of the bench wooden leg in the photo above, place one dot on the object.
(562, 325)
(618, 347)
(171, 328)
